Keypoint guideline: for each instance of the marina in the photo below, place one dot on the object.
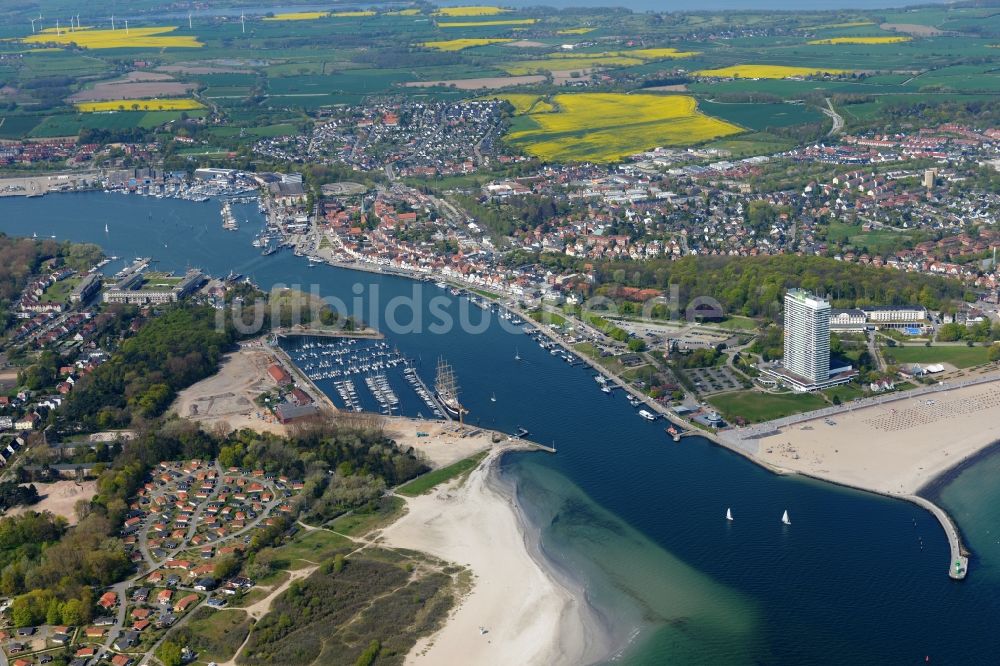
(390, 384)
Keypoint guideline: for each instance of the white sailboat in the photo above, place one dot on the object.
(729, 514)
(105, 227)
(784, 518)
(493, 398)
(517, 354)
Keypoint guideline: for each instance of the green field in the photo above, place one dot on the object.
(422, 484)
(959, 356)
(59, 292)
(761, 116)
(309, 546)
(359, 523)
(215, 635)
(13, 127)
(872, 241)
(756, 407)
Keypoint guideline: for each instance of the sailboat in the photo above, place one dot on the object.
(729, 514)
(517, 354)
(105, 227)
(493, 397)
(784, 518)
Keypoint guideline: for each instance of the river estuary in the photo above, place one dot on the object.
(638, 519)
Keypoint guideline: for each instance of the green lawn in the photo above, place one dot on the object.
(548, 317)
(59, 292)
(756, 407)
(737, 323)
(359, 524)
(846, 392)
(215, 635)
(424, 483)
(306, 547)
(959, 356)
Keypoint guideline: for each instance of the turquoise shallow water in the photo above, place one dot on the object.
(622, 508)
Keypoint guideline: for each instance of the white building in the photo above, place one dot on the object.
(806, 366)
(807, 336)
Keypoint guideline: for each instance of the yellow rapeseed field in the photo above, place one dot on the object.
(575, 31)
(604, 127)
(358, 14)
(404, 12)
(767, 71)
(118, 39)
(459, 44)
(562, 62)
(297, 16)
(470, 10)
(476, 24)
(657, 54)
(861, 40)
(140, 105)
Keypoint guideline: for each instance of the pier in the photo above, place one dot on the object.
(958, 565)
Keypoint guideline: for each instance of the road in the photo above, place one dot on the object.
(838, 120)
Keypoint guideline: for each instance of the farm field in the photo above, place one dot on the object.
(140, 105)
(303, 60)
(762, 116)
(470, 10)
(461, 44)
(297, 16)
(603, 127)
(861, 40)
(156, 38)
(767, 71)
(485, 24)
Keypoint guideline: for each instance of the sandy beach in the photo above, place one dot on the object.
(529, 616)
(896, 448)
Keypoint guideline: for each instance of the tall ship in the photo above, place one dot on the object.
(446, 389)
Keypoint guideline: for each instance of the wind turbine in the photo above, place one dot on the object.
(189, 21)
(77, 21)
(243, 22)
(33, 25)
(57, 27)
(112, 21)
(126, 26)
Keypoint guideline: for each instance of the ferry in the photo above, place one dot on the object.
(649, 416)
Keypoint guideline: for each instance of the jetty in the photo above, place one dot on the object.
(958, 565)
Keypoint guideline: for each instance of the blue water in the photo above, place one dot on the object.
(622, 507)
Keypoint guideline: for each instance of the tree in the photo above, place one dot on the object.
(73, 613)
(994, 353)
(170, 654)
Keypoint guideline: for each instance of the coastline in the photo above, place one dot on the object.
(907, 448)
(913, 490)
(531, 612)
